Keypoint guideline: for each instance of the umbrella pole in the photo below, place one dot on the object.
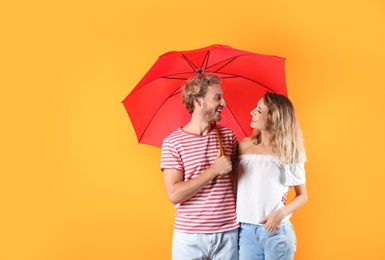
(220, 147)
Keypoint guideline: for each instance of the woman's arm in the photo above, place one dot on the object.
(273, 220)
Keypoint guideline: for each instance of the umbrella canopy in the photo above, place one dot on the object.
(155, 104)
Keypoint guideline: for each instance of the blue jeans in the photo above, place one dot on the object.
(255, 243)
(214, 246)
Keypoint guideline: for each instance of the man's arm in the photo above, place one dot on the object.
(178, 190)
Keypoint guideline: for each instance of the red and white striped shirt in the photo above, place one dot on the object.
(212, 209)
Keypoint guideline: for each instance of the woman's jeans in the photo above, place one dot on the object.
(255, 243)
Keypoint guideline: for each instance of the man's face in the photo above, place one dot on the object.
(213, 103)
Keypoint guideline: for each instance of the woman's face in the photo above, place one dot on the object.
(259, 116)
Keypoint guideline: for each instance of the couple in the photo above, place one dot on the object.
(231, 206)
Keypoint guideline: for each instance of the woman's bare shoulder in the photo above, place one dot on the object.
(245, 144)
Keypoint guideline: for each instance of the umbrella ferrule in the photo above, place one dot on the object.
(201, 71)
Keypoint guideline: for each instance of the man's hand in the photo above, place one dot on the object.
(221, 165)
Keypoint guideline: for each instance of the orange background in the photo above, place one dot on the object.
(76, 185)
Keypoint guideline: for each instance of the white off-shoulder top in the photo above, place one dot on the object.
(262, 182)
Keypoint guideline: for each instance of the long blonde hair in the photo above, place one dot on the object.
(285, 133)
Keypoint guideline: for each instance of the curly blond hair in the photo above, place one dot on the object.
(196, 86)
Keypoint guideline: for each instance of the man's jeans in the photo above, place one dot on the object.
(213, 246)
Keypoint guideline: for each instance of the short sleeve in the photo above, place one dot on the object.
(170, 158)
(294, 174)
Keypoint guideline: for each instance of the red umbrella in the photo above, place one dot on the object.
(155, 104)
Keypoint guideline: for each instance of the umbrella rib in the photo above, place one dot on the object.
(205, 60)
(224, 65)
(190, 62)
(236, 120)
(203, 66)
(149, 122)
(176, 78)
(238, 76)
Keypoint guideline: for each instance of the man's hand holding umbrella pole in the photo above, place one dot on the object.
(221, 150)
(222, 165)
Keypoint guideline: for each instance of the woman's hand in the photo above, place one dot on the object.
(273, 220)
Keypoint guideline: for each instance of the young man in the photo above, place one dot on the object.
(205, 220)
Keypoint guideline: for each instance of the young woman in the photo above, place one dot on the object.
(270, 162)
